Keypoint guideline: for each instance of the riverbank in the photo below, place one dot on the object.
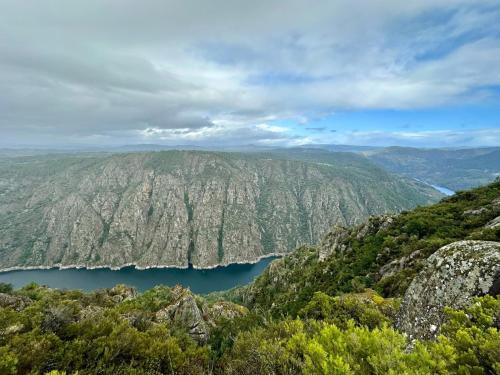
(134, 265)
(198, 280)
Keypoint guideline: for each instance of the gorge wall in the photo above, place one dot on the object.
(177, 208)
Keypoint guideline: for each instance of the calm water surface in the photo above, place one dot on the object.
(200, 281)
(443, 190)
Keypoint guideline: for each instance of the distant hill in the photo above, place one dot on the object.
(455, 169)
(172, 208)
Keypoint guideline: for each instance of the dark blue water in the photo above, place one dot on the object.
(200, 281)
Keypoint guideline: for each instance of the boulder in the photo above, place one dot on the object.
(451, 277)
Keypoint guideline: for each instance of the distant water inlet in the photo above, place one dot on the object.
(199, 281)
(441, 189)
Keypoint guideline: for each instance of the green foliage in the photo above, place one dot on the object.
(89, 333)
(474, 336)
(74, 332)
(5, 288)
(365, 309)
(469, 345)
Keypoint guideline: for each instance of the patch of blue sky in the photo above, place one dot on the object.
(435, 119)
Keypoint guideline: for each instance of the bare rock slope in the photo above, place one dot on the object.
(178, 208)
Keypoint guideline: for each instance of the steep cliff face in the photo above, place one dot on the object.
(178, 208)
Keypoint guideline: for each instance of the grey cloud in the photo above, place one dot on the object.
(106, 71)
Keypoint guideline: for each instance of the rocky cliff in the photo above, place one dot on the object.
(178, 208)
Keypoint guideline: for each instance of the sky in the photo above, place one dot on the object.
(264, 72)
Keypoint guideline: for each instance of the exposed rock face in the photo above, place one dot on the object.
(400, 264)
(175, 208)
(451, 277)
(333, 242)
(336, 241)
(184, 312)
(495, 223)
(476, 212)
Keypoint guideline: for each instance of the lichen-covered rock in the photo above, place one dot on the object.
(185, 313)
(451, 277)
(14, 302)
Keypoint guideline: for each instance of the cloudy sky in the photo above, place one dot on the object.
(114, 72)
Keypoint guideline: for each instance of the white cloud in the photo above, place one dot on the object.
(437, 138)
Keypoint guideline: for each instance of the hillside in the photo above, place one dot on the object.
(309, 313)
(384, 253)
(176, 208)
(459, 169)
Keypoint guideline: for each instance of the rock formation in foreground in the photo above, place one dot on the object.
(451, 277)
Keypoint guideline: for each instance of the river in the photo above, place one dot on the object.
(199, 281)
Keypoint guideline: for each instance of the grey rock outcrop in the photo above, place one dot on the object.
(120, 293)
(495, 223)
(475, 212)
(333, 242)
(451, 277)
(224, 310)
(400, 264)
(185, 313)
(14, 302)
(336, 240)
